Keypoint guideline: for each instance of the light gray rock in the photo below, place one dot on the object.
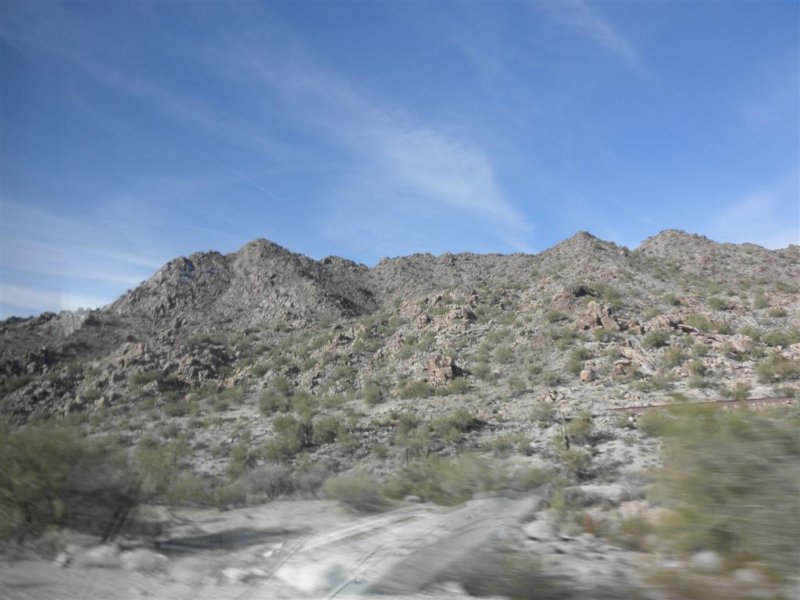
(106, 555)
(706, 560)
(143, 560)
(540, 530)
(613, 493)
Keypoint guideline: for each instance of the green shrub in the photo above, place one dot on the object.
(554, 316)
(731, 481)
(272, 401)
(451, 428)
(189, 490)
(699, 322)
(291, 436)
(416, 389)
(373, 393)
(717, 303)
(51, 476)
(459, 385)
(156, 465)
(442, 481)
(510, 443)
(326, 429)
(656, 339)
(358, 491)
(782, 337)
(544, 413)
(776, 367)
(581, 428)
(777, 313)
(576, 359)
(673, 357)
(503, 353)
(698, 368)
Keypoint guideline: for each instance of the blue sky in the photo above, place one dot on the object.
(134, 132)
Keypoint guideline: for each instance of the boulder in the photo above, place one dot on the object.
(143, 560)
(441, 369)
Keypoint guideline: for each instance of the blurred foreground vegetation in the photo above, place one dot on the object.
(731, 480)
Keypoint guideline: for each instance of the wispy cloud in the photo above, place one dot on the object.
(584, 20)
(769, 216)
(406, 156)
(53, 261)
(17, 299)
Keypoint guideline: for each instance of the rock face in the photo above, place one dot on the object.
(597, 315)
(441, 369)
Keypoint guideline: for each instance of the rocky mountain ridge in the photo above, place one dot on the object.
(232, 380)
(265, 287)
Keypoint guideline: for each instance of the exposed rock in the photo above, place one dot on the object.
(706, 560)
(586, 376)
(441, 369)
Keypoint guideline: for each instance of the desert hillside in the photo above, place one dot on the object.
(227, 382)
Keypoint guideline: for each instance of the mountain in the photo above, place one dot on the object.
(210, 318)
(232, 380)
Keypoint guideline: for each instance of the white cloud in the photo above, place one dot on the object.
(584, 20)
(405, 156)
(769, 216)
(33, 300)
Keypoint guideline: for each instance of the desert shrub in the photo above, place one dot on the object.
(442, 481)
(156, 465)
(450, 428)
(271, 401)
(259, 370)
(739, 391)
(777, 313)
(698, 368)
(575, 461)
(270, 481)
(576, 358)
(416, 389)
(609, 294)
(673, 357)
(243, 456)
(326, 429)
(51, 476)
(632, 533)
(291, 436)
(373, 393)
(699, 322)
(143, 378)
(509, 443)
(581, 428)
(656, 339)
(760, 300)
(503, 353)
(483, 371)
(459, 385)
(781, 337)
(730, 479)
(13, 383)
(776, 367)
(554, 316)
(563, 337)
(188, 490)
(717, 303)
(356, 490)
(544, 413)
